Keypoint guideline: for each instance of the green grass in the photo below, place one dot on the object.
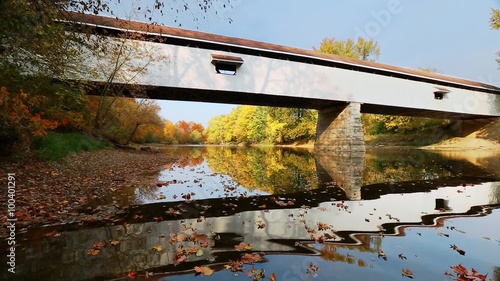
(56, 146)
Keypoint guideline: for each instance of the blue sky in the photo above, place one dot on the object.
(452, 36)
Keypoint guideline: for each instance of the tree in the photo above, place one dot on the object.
(365, 49)
(169, 132)
(495, 24)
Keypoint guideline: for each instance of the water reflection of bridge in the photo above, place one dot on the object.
(64, 255)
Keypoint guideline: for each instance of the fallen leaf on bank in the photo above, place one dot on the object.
(407, 273)
(52, 233)
(203, 270)
(114, 242)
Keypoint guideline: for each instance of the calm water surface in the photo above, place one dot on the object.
(304, 216)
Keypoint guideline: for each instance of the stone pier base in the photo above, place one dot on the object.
(340, 129)
(484, 128)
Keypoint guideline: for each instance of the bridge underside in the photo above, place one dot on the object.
(228, 97)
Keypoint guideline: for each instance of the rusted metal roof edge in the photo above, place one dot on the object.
(166, 31)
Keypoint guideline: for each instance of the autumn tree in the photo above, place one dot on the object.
(33, 51)
(169, 132)
(365, 49)
(35, 48)
(495, 24)
(184, 132)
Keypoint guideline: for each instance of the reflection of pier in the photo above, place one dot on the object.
(345, 169)
(351, 171)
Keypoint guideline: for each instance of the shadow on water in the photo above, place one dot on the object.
(335, 211)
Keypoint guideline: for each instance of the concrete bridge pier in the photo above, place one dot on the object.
(340, 128)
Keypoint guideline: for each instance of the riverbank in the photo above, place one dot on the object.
(465, 144)
(51, 193)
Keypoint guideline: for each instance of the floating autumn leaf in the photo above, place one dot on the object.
(443, 234)
(256, 274)
(251, 258)
(312, 268)
(203, 270)
(260, 224)
(272, 277)
(180, 257)
(99, 244)
(173, 212)
(158, 247)
(199, 253)
(243, 247)
(114, 242)
(458, 250)
(202, 239)
(93, 252)
(162, 196)
(131, 274)
(465, 275)
(177, 237)
(323, 226)
(407, 273)
(382, 255)
(234, 266)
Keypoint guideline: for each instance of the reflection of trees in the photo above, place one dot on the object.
(185, 156)
(267, 169)
(397, 166)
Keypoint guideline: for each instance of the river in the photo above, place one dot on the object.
(239, 213)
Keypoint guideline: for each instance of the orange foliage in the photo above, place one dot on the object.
(19, 119)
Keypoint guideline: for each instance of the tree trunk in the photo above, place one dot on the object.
(133, 133)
